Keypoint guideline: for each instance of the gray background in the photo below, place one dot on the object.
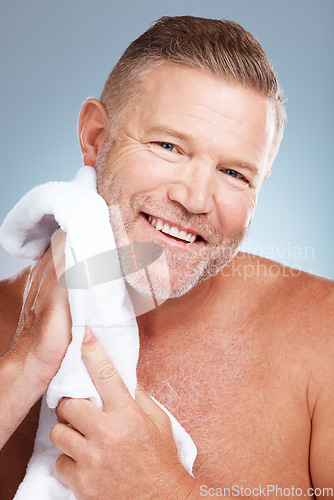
(55, 54)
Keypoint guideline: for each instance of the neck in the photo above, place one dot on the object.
(173, 313)
(211, 297)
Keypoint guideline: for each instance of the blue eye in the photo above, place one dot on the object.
(234, 174)
(167, 145)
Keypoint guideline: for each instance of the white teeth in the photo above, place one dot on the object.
(172, 231)
(159, 224)
(165, 229)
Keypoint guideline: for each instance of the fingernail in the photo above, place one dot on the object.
(88, 335)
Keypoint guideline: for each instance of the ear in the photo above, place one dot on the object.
(92, 130)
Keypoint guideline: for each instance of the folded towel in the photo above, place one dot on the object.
(103, 305)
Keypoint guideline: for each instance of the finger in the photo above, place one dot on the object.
(152, 408)
(65, 468)
(67, 440)
(79, 413)
(105, 376)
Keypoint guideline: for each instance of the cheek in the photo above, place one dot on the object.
(235, 210)
(140, 172)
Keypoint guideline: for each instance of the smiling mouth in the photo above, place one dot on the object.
(171, 230)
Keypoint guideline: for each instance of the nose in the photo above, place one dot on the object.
(194, 189)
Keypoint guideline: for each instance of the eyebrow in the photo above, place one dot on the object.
(187, 137)
(171, 132)
(249, 166)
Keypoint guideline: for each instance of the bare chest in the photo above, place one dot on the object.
(245, 413)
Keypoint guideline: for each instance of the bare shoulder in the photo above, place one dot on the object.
(293, 311)
(293, 289)
(298, 310)
(298, 306)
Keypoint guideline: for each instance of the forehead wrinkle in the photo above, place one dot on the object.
(221, 114)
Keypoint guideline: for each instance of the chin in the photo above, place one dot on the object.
(171, 277)
(153, 296)
(159, 283)
(162, 282)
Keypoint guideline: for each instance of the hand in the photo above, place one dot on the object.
(41, 341)
(124, 451)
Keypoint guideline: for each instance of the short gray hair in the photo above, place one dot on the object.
(219, 47)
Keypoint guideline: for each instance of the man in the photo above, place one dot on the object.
(185, 133)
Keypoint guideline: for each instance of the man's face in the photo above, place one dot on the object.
(190, 156)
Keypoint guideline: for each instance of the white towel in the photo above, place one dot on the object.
(104, 306)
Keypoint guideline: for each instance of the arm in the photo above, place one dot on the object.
(322, 439)
(36, 353)
(19, 391)
(321, 395)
